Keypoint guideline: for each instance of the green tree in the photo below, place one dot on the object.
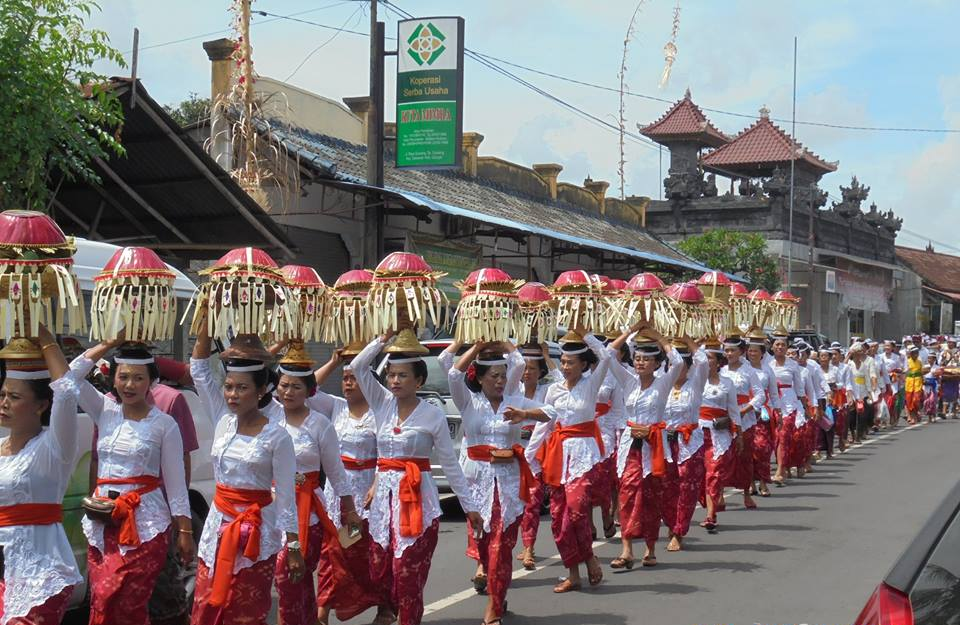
(56, 112)
(190, 111)
(735, 252)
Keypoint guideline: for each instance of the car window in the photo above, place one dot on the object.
(436, 377)
(935, 596)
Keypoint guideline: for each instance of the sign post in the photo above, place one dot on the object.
(430, 92)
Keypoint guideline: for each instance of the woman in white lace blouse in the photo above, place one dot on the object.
(496, 469)
(141, 469)
(37, 457)
(405, 506)
(254, 513)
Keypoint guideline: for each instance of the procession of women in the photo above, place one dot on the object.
(662, 403)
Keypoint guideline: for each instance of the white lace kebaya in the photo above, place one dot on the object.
(250, 462)
(645, 406)
(358, 441)
(571, 407)
(127, 448)
(316, 447)
(38, 559)
(721, 395)
(482, 425)
(790, 385)
(683, 408)
(747, 384)
(422, 432)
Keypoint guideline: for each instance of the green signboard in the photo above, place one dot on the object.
(456, 258)
(429, 92)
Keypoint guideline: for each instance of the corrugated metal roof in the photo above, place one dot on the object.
(157, 168)
(454, 193)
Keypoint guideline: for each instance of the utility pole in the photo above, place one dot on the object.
(374, 213)
(793, 158)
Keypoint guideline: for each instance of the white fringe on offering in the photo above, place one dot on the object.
(535, 322)
(146, 307)
(485, 316)
(347, 320)
(27, 294)
(415, 296)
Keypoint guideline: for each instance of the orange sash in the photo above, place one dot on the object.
(411, 500)
(481, 453)
(686, 431)
(227, 500)
(307, 502)
(709, 413)
(658, 457)
(31, 514)
(550, 454)
(840, 398)
(125, 506)
(602, 409)
(352, 464)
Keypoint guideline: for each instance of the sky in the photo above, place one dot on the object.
(881, 64)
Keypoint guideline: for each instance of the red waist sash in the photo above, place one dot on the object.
(550, 455)
(654, 438)
(411, 500)
(352, 464)
(228, 500)
(125, 506)
(31, 514)
(483, 453)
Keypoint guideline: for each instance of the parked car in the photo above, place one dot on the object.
(923, 587)
(812, 337)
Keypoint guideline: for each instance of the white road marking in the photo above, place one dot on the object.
(463, 595)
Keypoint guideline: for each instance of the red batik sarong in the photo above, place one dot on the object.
(495, 552)
(690, 475)
(718, 471)
(602, 492)
(297, 602)
(530, 522)
(788, 430)
(743, 460)
(248, 599)
(763, 447)
(50, 612)
(121, 585)
(401, 580)
(571, 518)
(355, 594)
(645, 501)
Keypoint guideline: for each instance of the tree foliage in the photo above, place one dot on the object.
(736, 252)
(190, 111)
(56, 112)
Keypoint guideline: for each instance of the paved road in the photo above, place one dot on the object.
(812, 553)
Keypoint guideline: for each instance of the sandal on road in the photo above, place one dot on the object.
(566, 585)
(622, 563)
(480, 583)
(649, 561)
(596, 575)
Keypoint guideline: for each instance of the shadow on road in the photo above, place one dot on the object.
(592, 618)
(761, 547)
(760, 527)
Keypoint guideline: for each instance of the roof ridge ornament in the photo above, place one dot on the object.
(764, 112)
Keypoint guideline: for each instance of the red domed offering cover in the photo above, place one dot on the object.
(580, 301)
(36, 282)
(134, 291)
(643, 283)
(346, 322)
(308, 290)
(686, 316)
(536, 314)
(404, 295)
(488, 306)
(246, 293)
(785, 310)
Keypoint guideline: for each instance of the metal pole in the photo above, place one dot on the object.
(793, 158)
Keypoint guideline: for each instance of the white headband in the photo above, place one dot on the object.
(246, 368)
(713, 350)
(491, 363)
(532, 356)
(646, 351)
(296, 374)
(19, 374)
(575, 352)
(134, 361)
(402, 361)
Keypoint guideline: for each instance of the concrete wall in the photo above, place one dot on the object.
(309, 110)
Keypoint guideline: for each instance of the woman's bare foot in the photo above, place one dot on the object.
(675, 544)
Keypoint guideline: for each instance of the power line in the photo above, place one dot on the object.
(356, 13)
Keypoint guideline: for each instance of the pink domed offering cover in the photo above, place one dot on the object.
(404, 295)
(537, 314)
(580, 301)
(759, 295)
(643, 300)
(346, 321)
(737, 289)
(308, 290)
(785, 310)
(487, 307)
(134, 292)
(246, 294)
(686, 316)
(687, 292)
(618, 285)
(37, 285)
